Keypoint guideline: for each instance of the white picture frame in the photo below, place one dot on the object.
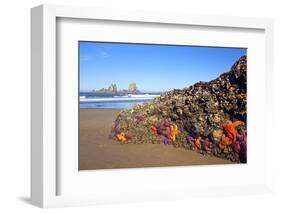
(44, 149)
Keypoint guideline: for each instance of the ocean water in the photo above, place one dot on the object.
(91, 100)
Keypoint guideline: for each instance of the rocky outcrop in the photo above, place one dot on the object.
(132, 87)
(209, 117)
(112, 88)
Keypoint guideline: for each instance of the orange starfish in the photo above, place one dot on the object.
(197, 143)
(230, 128)
(154, 129)
(225, 141)
(174, 131)
(121, 137)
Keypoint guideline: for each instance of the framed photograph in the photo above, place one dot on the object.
(130, 106)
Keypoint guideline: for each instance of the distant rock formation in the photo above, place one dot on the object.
(132, 87)
(112, 88)
(209, 117)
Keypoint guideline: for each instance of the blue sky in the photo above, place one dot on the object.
(152, 67)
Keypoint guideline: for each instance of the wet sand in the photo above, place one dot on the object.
(97, 151)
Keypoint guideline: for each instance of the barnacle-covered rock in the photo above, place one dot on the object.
(209, 117)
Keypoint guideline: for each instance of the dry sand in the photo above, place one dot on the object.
(97, 151)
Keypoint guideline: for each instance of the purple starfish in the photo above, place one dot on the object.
(166, 140)
(236, 147)
(189, 139)
(243, 152)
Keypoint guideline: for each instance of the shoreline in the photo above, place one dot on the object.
(98, 151)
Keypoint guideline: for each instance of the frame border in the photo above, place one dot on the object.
(43, 88)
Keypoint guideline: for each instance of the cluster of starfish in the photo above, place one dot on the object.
(121, 136)
(199, 144)
(231, 133)
(166, 131)
(238, 142)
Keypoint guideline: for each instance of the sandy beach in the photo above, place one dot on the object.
(97, 151)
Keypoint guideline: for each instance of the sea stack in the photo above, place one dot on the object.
(112, 88)
(207, 117)
(132, 87)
